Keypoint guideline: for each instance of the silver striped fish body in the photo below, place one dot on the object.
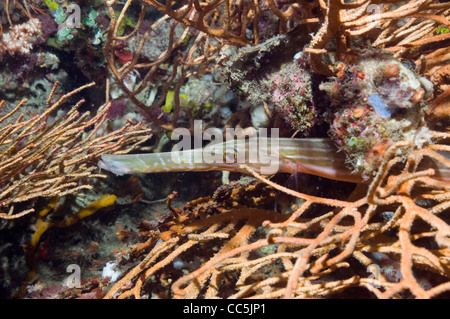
(442, 172)
(174, 161)
(317, 156)
(265, 155)
(222, 156)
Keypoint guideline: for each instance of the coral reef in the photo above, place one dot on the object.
(358, 91)
(376, 102)
(43, 157)
(248, 250)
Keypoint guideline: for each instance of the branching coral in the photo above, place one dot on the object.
(238, 22)
(396, 231)
(207, 29)
(199, 34)
(41, 157)
(186, 54)
(390, 240)
(383, 23)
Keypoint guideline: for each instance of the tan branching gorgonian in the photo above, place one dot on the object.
(199, 57)
(45, 157)
(392, 240)
(208, 26)
(395, 25)
(237, 21)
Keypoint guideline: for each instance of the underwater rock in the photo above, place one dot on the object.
(250, 70)
(375, 102)
(268, 74)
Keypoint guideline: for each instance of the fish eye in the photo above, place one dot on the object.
(230, 156)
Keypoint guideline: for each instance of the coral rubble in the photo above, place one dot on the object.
(376, 102)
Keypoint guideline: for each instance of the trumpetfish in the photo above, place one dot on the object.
(317, 156)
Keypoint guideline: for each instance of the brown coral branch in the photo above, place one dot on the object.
(39, 159)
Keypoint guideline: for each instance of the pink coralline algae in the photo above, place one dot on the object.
(292, 95)
(117, 109)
